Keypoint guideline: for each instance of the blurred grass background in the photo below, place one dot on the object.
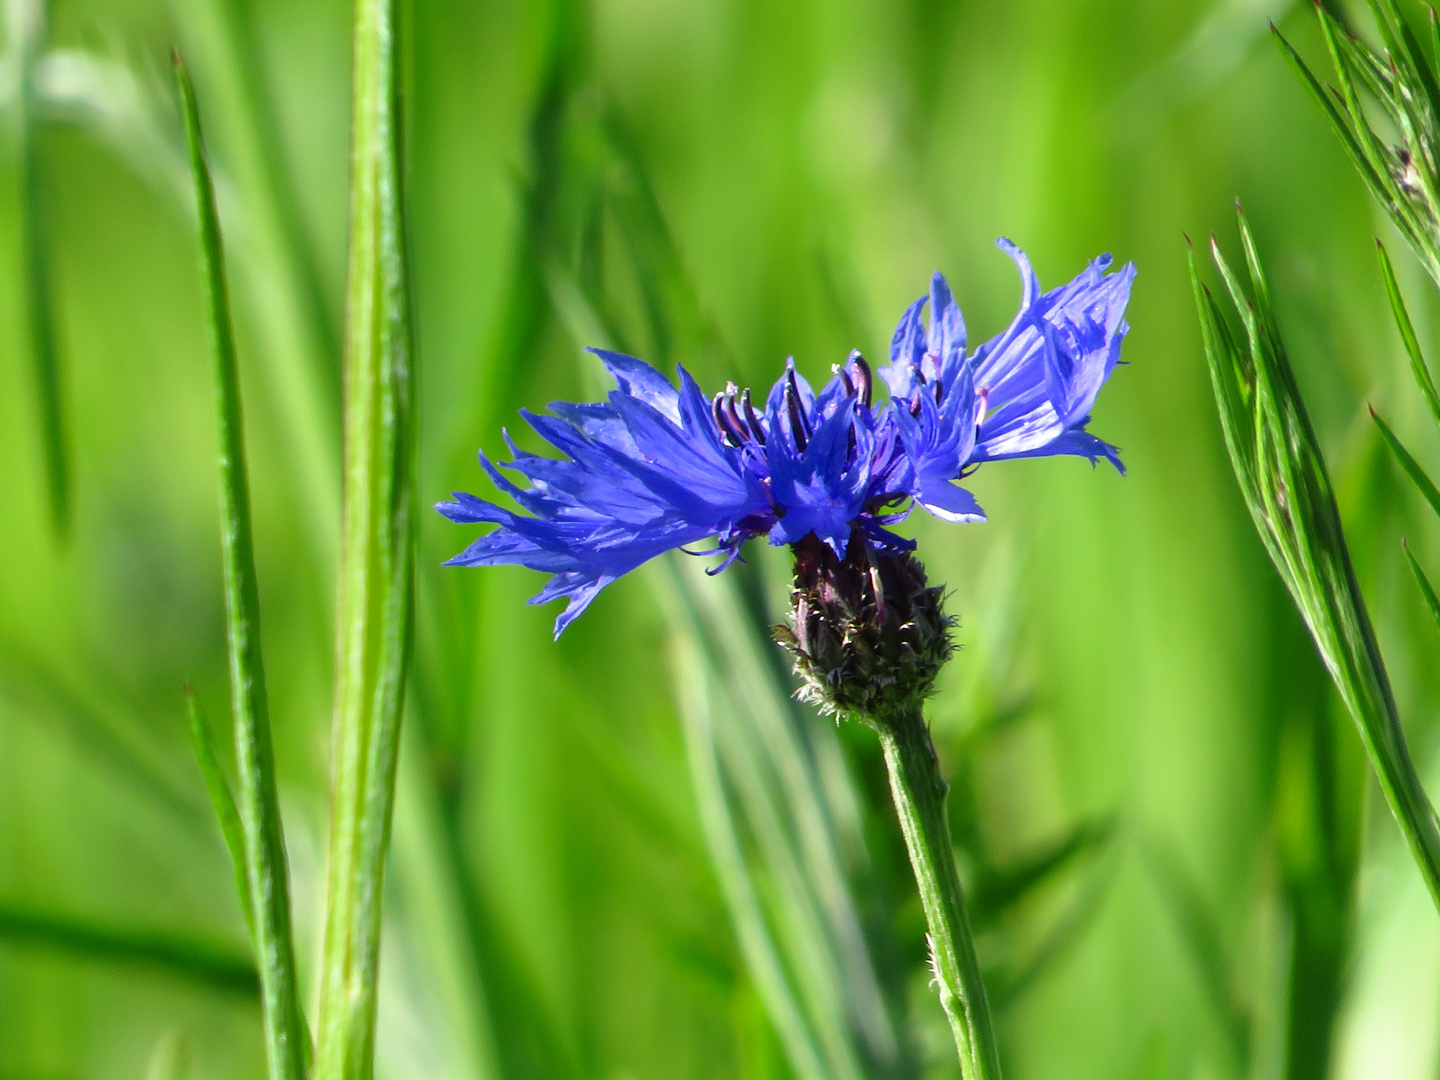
(721, 183)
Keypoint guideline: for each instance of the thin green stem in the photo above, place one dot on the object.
(28, 19)
(919, 792)
(374, 620)
(287, 1043)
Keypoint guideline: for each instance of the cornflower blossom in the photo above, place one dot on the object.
(660, 466)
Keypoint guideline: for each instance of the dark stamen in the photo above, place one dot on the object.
(798, 430)
(722, 419)
(864, 381)
(844, 379)
(752, 419)
(732, 415)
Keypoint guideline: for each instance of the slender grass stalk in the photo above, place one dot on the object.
(171, 1059)
(772, 833)
(376, 576)
(1413, 469)
(1286, 486)
(27, 32)
(1427, 591)
(222, 802)
(259, 802)
(197, 961)
(919, 792)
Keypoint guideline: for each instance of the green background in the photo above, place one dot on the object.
(814, 162)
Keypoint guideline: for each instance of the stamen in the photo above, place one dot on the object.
(798, 429)
(751, 418)
(722, 421)
(863, 379)
(836, 369)
(732, 415)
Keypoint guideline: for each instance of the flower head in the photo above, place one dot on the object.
(658, 467)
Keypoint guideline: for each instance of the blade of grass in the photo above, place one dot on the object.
(1426, 589)
(1200, 932)
(171, 1059)
(1287, 489)
(1407, 462)
(1407, 334)
(259, 805)
(27, 31)
(198, 961)
(34, 692)
(374, 623)
(222, 802)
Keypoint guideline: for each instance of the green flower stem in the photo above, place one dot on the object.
(374, 623)
(919, 792)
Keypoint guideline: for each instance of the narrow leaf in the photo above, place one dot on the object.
(1426, 589)
(192, 959)
(259, 803)
(222, 802)
(1337, 121)
(1287, 489)
(1407, 462)
(374, 622)
(1407, 334)
(27, 30)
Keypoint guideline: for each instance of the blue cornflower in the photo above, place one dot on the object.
(659, 467)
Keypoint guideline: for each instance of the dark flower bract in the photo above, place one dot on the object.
(658, 467)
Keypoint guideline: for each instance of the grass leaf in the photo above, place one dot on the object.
(1407, 461)
(1426, 589)
(232, 830)
(1287, 489)
(1407, 334)
(259, 804)
(27, 30)
(195, 960)
(374, 624)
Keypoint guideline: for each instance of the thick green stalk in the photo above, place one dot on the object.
(919, 793)
(376, 579)
(259, 802)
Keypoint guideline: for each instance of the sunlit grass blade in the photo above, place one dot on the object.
(27, 19)
(1432, 601)
(33, 692)
(1412, 468)
(1063, 935)
(222, 802)
(259, 802)
(192, 959)
(1001, 889)
(1396, 162)
(1407, 334)
(374, 621)
(171, 1059)
(1287, 489)
(771, 832)
(1204, 943)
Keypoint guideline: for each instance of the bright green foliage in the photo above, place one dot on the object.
(26, 30)
(553, 910)
(774, 799)
(266, 896)
(374, 621)
(1426, 589)
(1398, 162)
(222, 802)
(201, 962)
(1286, 487)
